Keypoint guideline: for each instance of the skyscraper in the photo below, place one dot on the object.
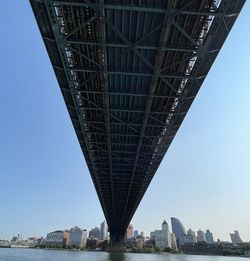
(201, 236)
(191, 233)
(136, 233)
(103, 230)
(164, 225)
(162, 237)
(173, 242)
(94, 233)
(177, 227)
(78, 237)
(209, 237)
(235, 237)
(130, 232)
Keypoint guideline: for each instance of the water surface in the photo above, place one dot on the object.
(12, 254)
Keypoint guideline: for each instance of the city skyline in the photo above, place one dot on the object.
(44, 181)
(160, 240)
(132, 230)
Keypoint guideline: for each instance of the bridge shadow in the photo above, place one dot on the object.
(117, 257)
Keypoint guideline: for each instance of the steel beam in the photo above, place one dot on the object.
(119, 45)
(106, 100)
(158, 61)
(137, 8)
(138, 74)
(85, 23)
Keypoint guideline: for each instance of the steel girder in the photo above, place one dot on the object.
(128, 74)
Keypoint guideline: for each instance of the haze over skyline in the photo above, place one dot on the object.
(44, 182)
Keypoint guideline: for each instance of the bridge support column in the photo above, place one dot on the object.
(116, 240)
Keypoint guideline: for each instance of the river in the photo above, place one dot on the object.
(13, 254)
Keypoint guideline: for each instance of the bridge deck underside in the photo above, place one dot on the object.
(129, 71)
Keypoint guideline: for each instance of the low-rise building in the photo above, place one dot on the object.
(135, 242)
(54, 239)
(247, 253)
(149, 243)
(186, 239)
(91, 243)
(202, 248)
(33, 241)
(5, 243)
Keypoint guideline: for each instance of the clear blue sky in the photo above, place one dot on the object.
(44, 183)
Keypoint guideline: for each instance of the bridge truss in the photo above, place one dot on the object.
(128, 71)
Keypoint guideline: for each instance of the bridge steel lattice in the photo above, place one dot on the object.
(128, 71)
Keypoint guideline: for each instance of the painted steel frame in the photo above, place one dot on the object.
(129, 74)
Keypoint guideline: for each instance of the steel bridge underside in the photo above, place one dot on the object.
(128, 72)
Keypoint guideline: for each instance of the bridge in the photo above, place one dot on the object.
(129, 71)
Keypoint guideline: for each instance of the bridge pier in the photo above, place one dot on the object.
(116, 240)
